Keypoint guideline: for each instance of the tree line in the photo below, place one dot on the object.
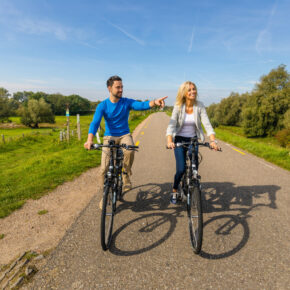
(265, 111)
(40, 107)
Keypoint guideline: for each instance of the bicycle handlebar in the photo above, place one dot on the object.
(125, 146)
(206, 144)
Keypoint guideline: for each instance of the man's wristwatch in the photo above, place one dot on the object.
(215, 141)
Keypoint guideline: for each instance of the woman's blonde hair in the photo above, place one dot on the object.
(183, 89)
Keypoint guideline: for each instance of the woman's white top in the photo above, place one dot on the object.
(188, 128)
(199, 115)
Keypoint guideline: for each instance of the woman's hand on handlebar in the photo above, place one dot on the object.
(214, 146)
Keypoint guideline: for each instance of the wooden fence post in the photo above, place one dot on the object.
(67, 130)
(3, 138)
(60, 136)
(67, 122)
(78, 126)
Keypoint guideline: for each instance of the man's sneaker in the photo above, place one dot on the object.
(173, 198)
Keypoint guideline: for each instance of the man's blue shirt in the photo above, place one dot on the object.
(116, 116)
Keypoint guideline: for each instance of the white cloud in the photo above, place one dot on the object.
(263, 40)
(191, 40)
(15, 21)
(139, 41)
(42, 27)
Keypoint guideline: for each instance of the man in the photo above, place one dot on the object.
(115, 111)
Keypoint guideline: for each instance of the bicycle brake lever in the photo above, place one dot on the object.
(95, 146)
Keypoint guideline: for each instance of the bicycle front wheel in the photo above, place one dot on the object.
(107, 218)
(194, 211)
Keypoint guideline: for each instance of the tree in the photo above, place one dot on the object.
(22, 97)
(93, 105)
(286, 120)
(77, 104)
(229, 110)
(263, 113)
(212, 112)
(4, 105)
(277, 80)
(36, 111)
(57, 102)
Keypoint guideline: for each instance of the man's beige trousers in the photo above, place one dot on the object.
(128, 154)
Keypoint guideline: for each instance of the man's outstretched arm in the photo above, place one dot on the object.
(158, 102)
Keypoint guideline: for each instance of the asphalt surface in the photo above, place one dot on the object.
(246, 228)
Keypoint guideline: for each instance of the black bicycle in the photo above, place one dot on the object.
(112, 188)
(191, 192)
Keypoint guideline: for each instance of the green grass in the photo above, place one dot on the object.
(44, 128)
(2, 236)
(239, 131)
(265, 148)
(34, 165)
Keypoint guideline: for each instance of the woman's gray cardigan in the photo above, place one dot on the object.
(200, 116)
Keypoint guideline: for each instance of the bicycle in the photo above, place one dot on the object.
(112, 188)
(191, 192)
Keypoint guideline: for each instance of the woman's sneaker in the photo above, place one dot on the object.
(173, 198)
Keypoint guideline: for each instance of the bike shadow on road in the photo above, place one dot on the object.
(228, 207)
(155, 224)
(233, 206)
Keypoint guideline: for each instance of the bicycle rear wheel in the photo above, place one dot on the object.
(195, 221)
(107, 218)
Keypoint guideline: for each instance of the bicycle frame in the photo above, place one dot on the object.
(114, 174)
(112, 188)
(191, 178)
(191, 186)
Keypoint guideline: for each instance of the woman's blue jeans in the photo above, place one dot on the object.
(180, 157)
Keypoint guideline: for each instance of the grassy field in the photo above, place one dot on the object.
(36, 163)
(60, 124)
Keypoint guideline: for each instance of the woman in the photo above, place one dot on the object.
(185, 123)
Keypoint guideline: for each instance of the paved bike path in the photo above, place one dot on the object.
(246, 232)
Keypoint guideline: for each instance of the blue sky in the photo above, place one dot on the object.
(73, 47)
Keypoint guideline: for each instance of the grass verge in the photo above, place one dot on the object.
(35, 164)
(266, 149)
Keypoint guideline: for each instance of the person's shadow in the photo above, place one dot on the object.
(221, 201)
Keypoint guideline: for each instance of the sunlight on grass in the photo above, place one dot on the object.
(257, 146)
(35, 164)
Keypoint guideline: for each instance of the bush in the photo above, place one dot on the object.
(36, 111)
(283, 137)
(286, 120)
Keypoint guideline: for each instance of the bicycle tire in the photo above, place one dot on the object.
(195, 219)
(107, 218)
(120, 188)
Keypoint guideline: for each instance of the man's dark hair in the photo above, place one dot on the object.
(111, 80)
